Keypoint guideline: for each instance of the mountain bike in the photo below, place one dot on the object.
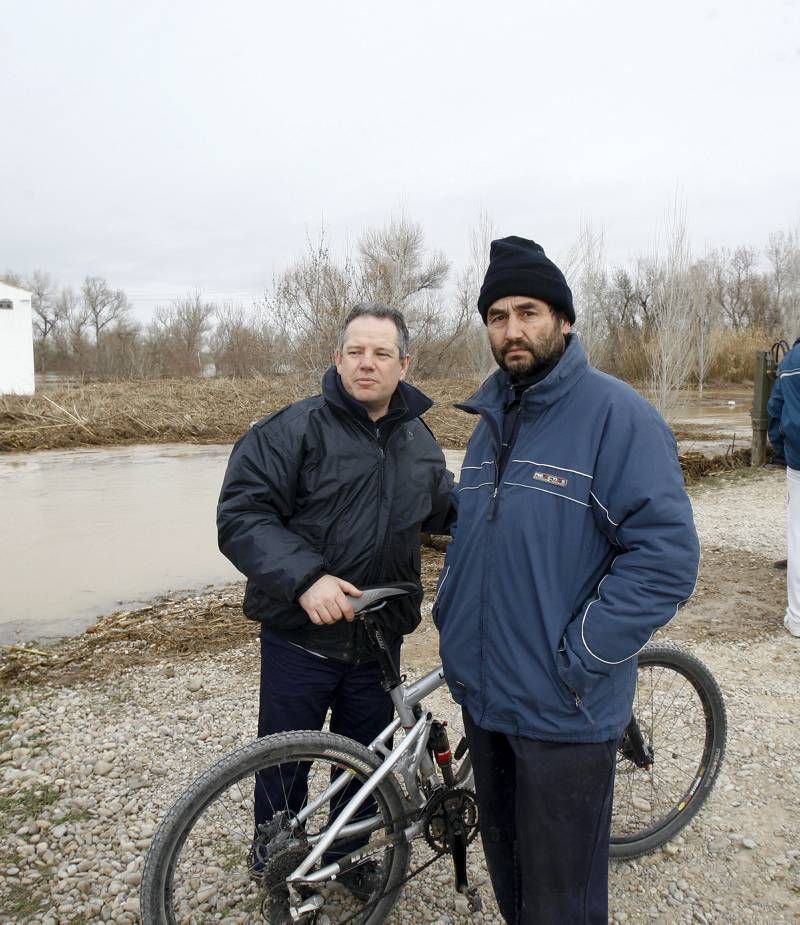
(335, 805)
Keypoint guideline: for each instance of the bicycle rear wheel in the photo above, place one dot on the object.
(680, 713)
(207, 863)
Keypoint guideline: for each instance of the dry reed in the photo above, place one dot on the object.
(180, 411)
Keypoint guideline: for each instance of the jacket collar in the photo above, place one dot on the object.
(407, 402)
(496, 391)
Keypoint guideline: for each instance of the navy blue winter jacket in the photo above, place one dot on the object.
(783, 409)
(560, 571)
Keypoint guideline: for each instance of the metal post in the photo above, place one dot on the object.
(762, 386)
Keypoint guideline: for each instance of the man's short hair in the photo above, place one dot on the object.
(377, 310)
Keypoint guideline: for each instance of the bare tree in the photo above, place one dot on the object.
(309, 302)
(245, 342)
(586, 274)
(311, 299)
(103, 304)
(11, 278)
(45, 312)
(783, 254)
(705, 320)
(394, 267)
(732, 280)
(670, 329)
(123, 355)
(468, 348)
(177, 335)
(73, 344)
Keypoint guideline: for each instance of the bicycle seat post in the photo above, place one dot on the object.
(390, 671)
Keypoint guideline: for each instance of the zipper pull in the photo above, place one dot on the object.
(582, 708)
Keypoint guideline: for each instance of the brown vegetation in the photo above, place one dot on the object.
(181, 410)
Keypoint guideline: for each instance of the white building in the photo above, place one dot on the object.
(16, 341)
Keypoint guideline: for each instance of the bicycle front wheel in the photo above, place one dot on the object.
(680, 714)
(230, 840)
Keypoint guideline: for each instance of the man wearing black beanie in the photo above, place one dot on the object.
(574, 542)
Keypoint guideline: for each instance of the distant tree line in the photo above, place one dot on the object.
(665, 319)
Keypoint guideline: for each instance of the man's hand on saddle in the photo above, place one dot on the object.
(326, 601)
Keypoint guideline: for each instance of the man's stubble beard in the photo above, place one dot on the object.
(543, 354)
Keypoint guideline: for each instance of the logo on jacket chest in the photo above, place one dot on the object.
(550, 479)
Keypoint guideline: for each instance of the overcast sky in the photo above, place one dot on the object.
(182, 145)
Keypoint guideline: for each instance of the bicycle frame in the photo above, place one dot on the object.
(409, 758)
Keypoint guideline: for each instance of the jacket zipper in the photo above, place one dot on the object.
(380, 540)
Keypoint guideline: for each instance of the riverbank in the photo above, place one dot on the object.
(72, 415)
(182, 411)
(96, 742)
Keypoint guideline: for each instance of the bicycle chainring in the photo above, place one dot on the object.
(450, 811)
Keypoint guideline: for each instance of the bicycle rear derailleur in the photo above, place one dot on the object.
(451, 823)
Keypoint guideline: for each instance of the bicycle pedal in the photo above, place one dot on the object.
(474, 901)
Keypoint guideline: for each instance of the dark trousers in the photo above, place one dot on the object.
(545, 820)
(297, 690)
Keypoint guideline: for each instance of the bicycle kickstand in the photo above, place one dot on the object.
(458, 847)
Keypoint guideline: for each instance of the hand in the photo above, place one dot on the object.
(326, 602)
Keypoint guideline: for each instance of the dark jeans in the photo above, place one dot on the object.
(297, 690)
(545, 820)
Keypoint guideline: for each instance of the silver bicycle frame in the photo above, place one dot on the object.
(408, 758)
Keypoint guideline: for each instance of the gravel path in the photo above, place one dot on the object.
(87, 772)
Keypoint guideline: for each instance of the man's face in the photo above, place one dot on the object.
(524, 334)
(370, 364)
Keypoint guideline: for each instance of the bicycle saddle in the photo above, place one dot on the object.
(376, 596)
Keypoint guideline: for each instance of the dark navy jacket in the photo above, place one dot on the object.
(784, 409)
(560, 571)
(314, 489)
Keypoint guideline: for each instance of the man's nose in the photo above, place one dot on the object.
(367, 360)
(513, 327)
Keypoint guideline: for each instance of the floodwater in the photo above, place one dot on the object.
(87, 532)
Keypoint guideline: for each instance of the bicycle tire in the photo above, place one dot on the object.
(681, 713)
(189, 857)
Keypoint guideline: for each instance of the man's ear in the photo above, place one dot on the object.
(404, 364)
(566, 326)
(337, 359)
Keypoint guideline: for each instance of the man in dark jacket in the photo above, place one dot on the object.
(326, 495)
(573, 542)
(784, 435)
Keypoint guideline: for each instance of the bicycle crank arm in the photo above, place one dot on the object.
(309, 905)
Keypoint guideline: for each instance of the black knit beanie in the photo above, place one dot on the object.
(518, 266)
